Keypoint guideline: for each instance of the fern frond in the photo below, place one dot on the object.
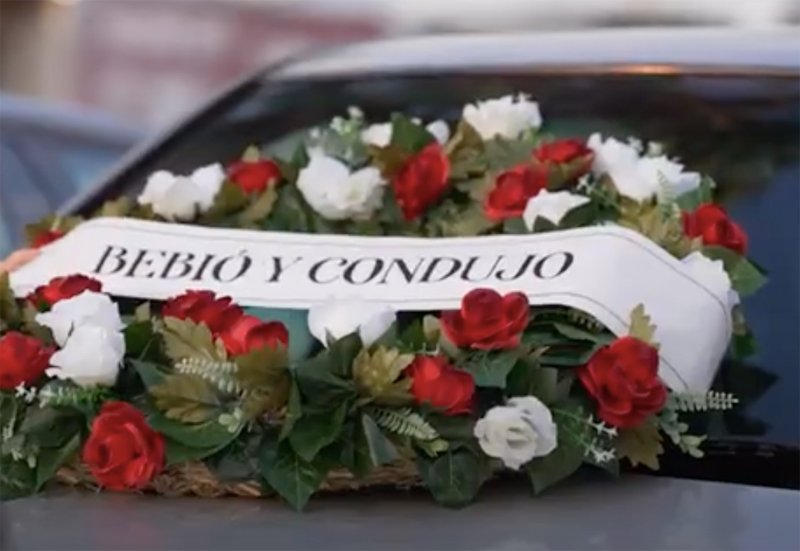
(585, 320)
(404, 422)
(710, 401)
(218, 373)
(62, 395)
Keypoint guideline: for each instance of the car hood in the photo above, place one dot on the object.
(637, 512)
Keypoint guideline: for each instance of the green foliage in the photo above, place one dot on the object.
(186, 398)
(669, 423)
(404, 422)
(746, 278)
(455, 477)
(229, 199)
(376, 376)
(258, 208)
(116, 208)
(641, 327)
(503, 153)
(489, 369)
(313, 431)
(51, 459)
(710, 401)
(641, 444)
(452, 220)
(515, 226)
(407, 135)
(187, 339)
(10, 314)
(663, 227)
(139, 338)
(466, 154)
(17, 478)
(65, 394)
(293, 478)
(202, 439)
(319, 385)
(702, 194)
(372, 445)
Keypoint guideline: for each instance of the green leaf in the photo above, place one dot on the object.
(17, 478)
(453, 478)
(702, 194)
(118, 208)
(293, 412)
(251, 154)
(294, 479)
(503, 153)
(319, 384)
(177, 453)
(265, 367)
(10, 314)
(229, 199)
(515, 226)
(150, 373)
(290, 212)
(313, 431)
(408, 135)
(208, 435)
(259, 210)
(187, 339)
(186, 398)
(580, 334)
(457, 429)
(138, 338)
(559, 464)
(342, 353)
(640, 326)
(376, 376)
(50, 427)
(641, 444)
(52, 459)
(490, 369)
(379, 449)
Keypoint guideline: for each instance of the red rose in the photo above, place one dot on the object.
(122, 451)
(573, 158)
(23, 360)
(511, 191)
(711, 223)
(249, 333)
(434, 381)
(46, 237)
(623, 378)
(62, 288)
(487, 320)
(422, 181)
(204, 307)
(254, 177)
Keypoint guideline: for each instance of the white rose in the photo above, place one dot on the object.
(637, 177)
(177, 197)
(380, 135)
(517, 432)
(91, 357)
(339, 318)
(551, 206)
(88, 308)
(506, 117)
(336, 193)
(712, 274)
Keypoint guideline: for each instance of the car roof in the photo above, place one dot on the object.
(17, 111)
(654, 49)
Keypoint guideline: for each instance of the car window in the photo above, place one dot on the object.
(742, 129)
(21, 201)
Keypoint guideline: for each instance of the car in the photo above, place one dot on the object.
(726, 101)
(49, 153)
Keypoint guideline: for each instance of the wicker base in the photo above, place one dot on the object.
(195, 479)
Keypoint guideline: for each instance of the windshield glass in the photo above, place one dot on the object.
(742, 130)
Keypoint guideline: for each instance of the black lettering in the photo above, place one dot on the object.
(243, 267)
(112, 252)
(408, 273)
(522, 268)
(313, 273)
(538, 270)
(455, 265)
(203, 265)
(349, 272)
(141, 260)
(465, 275)
(279, 268)
(184, 263)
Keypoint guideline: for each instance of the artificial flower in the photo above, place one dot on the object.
(177, 197)
(437, 383)
(249, 333)
(122, 451)
(254, 176)
(506, 117)
(92, 356)
(87, 309)
(640, 178)
(712, 274)
(46, 237)
(421, 181)
(512, 190)
(61, 288)
(336, 193)
(711, 223)
(203, 307)
(380, 135)
(23, 360)
(572, 157)
(517, 432)
(551, 206)
(623, 379)
(487, 320)
(338, 318)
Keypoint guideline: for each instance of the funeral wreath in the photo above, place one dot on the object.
(197, 395)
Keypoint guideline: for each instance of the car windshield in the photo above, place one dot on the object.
(740, 128)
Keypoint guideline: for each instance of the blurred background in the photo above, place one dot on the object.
(149, 61)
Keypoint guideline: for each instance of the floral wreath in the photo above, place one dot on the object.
(196, 395)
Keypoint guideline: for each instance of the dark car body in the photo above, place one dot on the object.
(47, 155)
(727, 102)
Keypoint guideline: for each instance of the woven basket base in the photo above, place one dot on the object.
(195, 479)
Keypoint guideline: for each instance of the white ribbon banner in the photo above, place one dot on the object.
(605, 271)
